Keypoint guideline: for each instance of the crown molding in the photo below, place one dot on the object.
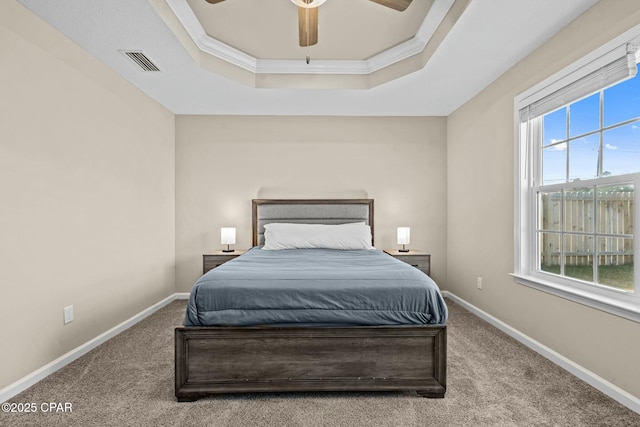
(225, 52)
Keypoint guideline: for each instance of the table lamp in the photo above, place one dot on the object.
(228, 237)
(404, 237)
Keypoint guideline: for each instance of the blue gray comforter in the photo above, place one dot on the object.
(315, 287)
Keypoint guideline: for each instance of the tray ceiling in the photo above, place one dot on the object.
(485, 39)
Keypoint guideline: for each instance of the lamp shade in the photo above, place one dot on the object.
(404, 235)
(228, 235)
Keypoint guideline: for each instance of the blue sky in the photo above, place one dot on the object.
(621, 153)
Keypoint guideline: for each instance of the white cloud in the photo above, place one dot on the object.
(559, 147)
(610, 147)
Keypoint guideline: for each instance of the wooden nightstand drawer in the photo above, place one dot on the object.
(217, 258)
(419, 260)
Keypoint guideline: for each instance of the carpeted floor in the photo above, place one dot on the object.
(491, 380)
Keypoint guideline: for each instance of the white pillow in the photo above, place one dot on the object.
(306, 236)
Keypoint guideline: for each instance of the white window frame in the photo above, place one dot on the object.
(624, 304)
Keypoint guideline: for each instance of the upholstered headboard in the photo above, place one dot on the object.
(310, 211)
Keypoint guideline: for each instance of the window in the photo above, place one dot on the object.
(578, 154)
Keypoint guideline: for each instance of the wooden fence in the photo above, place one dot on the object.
(610, 214)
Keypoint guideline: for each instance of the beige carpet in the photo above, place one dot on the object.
(492, 380)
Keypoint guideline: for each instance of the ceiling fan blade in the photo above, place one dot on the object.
(400, 5)
(307, 26)
(214, 1)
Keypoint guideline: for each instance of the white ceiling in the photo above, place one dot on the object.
(489, 38)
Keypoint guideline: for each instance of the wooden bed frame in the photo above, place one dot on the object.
(214, 360)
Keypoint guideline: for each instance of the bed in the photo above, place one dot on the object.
(318, 348)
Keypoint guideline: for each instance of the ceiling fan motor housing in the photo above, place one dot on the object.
(308, 3)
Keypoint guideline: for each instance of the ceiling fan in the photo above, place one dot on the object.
(308, 16)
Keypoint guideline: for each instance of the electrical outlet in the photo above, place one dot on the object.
(68, 314)
(479, 282)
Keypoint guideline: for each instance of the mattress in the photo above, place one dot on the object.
(321, 287)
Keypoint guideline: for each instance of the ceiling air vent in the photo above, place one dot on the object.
(141, 60)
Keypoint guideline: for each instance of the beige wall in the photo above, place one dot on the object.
(480, 232)
(86, 196)
(224, 162)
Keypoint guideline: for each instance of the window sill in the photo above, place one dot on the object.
(626, 309)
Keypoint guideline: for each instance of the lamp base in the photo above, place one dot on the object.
(403, 250)
(228, 250)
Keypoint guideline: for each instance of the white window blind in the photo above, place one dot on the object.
(618, 70)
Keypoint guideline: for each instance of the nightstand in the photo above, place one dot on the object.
(217, 258)
(420, 260)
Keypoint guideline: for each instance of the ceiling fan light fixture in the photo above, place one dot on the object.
(308, 4)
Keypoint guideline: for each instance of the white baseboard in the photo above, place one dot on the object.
(611, 390)
(24, 383)
(584, 374)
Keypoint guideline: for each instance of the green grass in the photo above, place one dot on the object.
(615, 276)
